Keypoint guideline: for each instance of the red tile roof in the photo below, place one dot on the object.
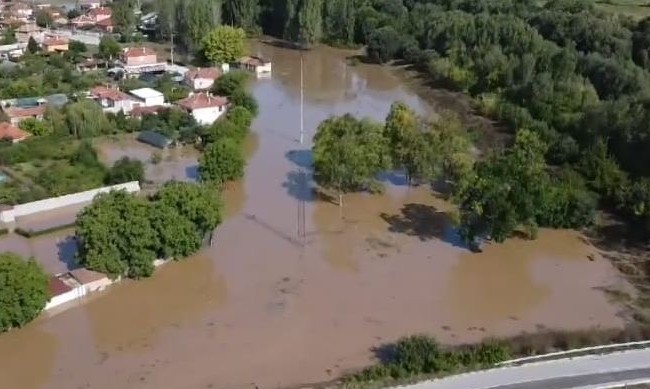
(138, 52)
(254, 61)
(55, 41)
(209, 73)
(106, 22)
(7, 130)
(202, 100)
(58, 287)
(112, 94)
(17, 112)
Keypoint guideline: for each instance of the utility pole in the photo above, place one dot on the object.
(301, 171)
(302, 102)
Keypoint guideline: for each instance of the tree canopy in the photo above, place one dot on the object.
(224, 44)
(121, 234)
(222, 161)
(24, 290)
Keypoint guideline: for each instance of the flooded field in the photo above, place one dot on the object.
(268, 306)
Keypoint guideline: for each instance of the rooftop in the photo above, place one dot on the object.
(7, 130)
(18, 112)
(210, 73)
(154, 138)
(202, 100)
(106, 22)
(146, 93)
(55, 41)
(85, 276)
(58, 287)
(113, 94)
(138, 51)
(254, 61)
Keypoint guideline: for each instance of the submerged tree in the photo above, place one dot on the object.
(349, 153)
(24, 290)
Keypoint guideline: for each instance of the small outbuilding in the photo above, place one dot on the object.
(155, 139)
(150, 97)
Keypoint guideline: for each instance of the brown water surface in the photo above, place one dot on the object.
(271, 306)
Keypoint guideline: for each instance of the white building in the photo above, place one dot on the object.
(150, 97)
(202, 78)
(260, 66)
(204, 107)
(113, 100)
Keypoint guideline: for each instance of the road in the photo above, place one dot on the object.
(581, 372)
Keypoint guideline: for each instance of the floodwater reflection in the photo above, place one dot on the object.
(131, 315)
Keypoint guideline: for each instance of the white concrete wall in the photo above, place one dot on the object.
(10, 215)
(72, 295)
(207, 116)
(154, 101)
(98, 285)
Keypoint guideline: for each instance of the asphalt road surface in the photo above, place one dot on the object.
(581, 372)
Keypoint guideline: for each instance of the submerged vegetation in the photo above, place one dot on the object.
(421, 357)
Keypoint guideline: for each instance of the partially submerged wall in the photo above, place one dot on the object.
(9, 215)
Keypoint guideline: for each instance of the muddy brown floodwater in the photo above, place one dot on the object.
(261, 307)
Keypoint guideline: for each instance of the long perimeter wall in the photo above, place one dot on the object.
(10, 215)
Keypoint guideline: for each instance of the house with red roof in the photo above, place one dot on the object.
(18, 114)
(55, 44)
(204, 107)
(202, 78)
(9, 131)
(139, 56)
(106, 25)
(113, 100)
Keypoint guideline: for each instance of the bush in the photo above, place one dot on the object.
(24, 291)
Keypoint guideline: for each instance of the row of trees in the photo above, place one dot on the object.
(223, 142)
(496, 195)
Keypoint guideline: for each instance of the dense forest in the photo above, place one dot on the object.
(574, 76)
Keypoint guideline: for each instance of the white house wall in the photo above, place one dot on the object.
(207, 116)
(10, 215)
(61, 299)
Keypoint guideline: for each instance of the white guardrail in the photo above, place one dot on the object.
(568, 353)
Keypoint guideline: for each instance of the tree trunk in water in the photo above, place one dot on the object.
(340, 199)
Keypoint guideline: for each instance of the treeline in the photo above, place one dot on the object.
(574, 76)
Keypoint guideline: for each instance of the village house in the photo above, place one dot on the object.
(55, 44)
(260, 66)
(138, 56)
(18, 114)
(92, 18)
(60, 293)
(29, 30)
(91, 281)
(99, 14)
(18, 110)
(113, 100)
(106, 25)
(149, 97)
(204, 107)
(9, 131)
(202, 78)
